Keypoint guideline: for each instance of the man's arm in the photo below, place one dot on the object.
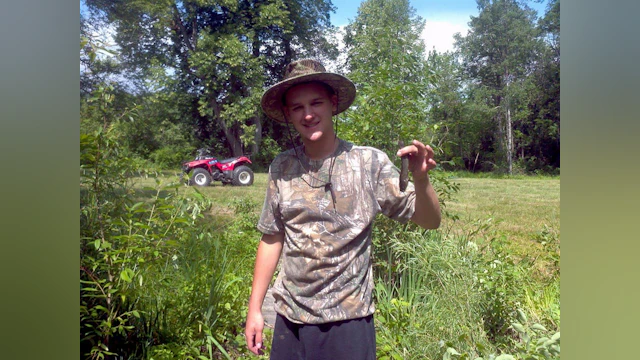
(267, 258)
(427, 212)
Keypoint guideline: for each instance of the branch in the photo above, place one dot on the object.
(180, 26)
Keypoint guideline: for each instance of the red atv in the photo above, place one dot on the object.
(206, 168)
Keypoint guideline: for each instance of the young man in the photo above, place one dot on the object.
(322, 198)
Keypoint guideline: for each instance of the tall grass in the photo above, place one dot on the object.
(455, 292)
(440, 294)
(435, 288)
(158, 280)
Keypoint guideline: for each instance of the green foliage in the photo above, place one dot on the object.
(550, 242)
(435, 276)
(393, 317)
(171, 157)
(462, 127)
(454, 296)
(214, 56)
(200, 80)
(385, 58)
(498, 55)
(154, 281)
(500, 282)
(269, 149)
(535, 341)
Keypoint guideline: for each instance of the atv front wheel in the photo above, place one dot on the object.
(200, 177)
(242, 176)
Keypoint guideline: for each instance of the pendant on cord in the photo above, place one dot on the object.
(328, 187)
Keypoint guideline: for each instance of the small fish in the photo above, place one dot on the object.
(404, 169)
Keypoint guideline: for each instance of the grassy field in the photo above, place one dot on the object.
(462, 290)
(222, 196)
(521, 208)
(524, 210)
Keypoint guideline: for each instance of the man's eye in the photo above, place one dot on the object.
(296, 108)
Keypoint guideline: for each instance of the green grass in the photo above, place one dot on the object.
(525, 211)
(520, 208)
(495, 175)
(222, 196)
(522, 212)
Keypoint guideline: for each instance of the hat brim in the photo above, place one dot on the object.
(271, 101)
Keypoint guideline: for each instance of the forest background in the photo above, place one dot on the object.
(194, 79)
(189, 74)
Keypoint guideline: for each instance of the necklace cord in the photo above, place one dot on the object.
(326, 185)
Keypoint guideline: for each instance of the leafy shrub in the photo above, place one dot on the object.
(501, 282)
(446, 296)
(154, 282)
(269, 149)
(535, 341)
(429, 278)
(124, 246)
(171, 156)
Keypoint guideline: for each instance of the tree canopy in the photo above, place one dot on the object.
(386, 59)
(194, 72)
(217, 55)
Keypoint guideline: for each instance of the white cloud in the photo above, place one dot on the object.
(438, 33)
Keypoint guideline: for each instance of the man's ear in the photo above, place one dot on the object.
(334, 103)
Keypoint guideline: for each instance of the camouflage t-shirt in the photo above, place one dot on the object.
(326, 273)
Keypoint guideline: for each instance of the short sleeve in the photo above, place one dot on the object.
(270, 219)
(393, 203)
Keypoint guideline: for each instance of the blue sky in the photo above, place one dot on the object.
(443, 18)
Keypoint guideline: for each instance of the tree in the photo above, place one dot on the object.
(97, 61)
(386, 60)
(219, 53)
(462, 124)
(544, 121)
(498, 54)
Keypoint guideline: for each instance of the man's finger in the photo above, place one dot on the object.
(430, 152)
(409, 149)
(252, 340)
(258, 342)
(420, 147)
(249, 338)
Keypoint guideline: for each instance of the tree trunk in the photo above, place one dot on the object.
(232, 137)
(509, 141)
(255, 148)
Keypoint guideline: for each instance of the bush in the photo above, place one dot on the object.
(269, 149)
(154, 282)
(172, 156)
(501, 283)
(446, 296)
(430, 285)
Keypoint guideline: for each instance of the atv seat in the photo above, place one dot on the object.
(226, 160)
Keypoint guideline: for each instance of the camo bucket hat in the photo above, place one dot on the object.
(304, 71)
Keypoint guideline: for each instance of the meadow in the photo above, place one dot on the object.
(179, 261)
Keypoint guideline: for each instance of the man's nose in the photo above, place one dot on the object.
(307, 113)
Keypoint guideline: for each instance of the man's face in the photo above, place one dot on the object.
(309, 108)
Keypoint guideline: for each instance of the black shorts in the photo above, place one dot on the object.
(342, 340)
